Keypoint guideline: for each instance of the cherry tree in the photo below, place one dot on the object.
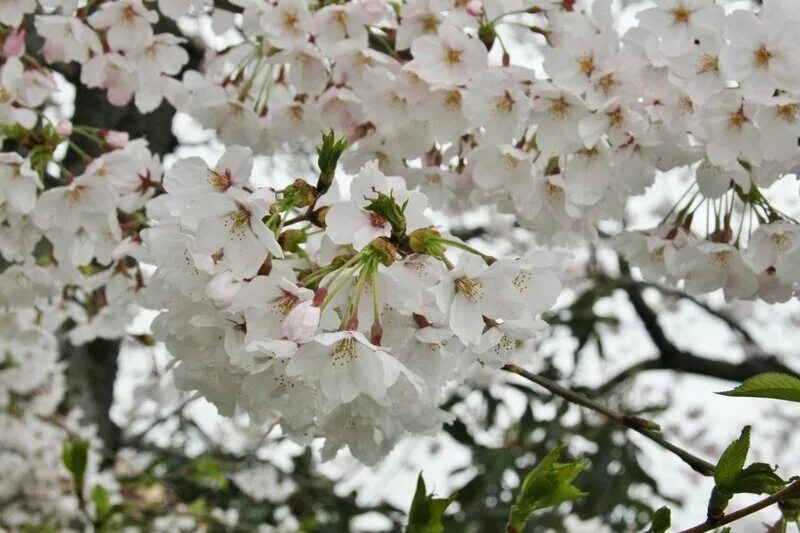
(349, 225)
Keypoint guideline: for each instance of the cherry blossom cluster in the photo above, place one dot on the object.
(343, 315)
(36, 489)
(67, 221)
(443, 94)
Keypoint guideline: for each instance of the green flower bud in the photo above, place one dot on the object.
(426, 241)
(291, 239)
(384, 250)
(300, 194)
(328, 157)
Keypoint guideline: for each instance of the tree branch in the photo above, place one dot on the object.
(640, 425)
(789, 492)
(673, 358)
(676, 293)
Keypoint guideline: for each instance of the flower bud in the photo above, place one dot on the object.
(300, 194)
(384, 250)
(426, 241)
(302, 322)
(115, 139)
(64, 128)
(328, 157)
(291, 239)
(14, 45)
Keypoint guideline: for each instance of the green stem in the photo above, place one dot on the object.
(465, 247)
(341, 284)
(78, 150)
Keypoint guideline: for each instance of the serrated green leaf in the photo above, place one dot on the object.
(662, 519)
(757, 478)
(768, 385)
(425, 515)
(547, 485)
(732, 461)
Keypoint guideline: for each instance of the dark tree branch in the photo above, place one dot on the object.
(640, 425)
(676, 293)
(673, 358)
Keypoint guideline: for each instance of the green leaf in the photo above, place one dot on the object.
(768, 385)
(757, 478)
(209, 470)
(425, 515)
(74, 455)
(102, 503)
(547, 485)
(732, 461)
(662, 519)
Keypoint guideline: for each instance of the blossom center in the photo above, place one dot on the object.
(586, 64)
(736, 120)
(504, 104)
(240, 218)
(430, 24)
(286, 302)
(709, 63)
(344, 351)
(607, 83)
(781, 241)
(762, 56)
(129, 14)
(469, 287)
(453, 100)
(452, 56)
(721, 259)
(788, 112)
(290, 21)
(220, 180)
(558, 107)
(681, 15)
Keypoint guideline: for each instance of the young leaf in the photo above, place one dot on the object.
(768, 385)
(547, 485)
(74, 455)
(757, 478)
(732, 461)
(425, 515)
(102, 503)
(662, 519)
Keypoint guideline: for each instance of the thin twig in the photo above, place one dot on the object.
(640, 425)
(789, 492)
(166, 416)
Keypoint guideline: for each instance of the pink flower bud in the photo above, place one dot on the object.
(64, 128)
(115, 139)
(14, 45)
(222, 289)
(475, 8)
(302, 322)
